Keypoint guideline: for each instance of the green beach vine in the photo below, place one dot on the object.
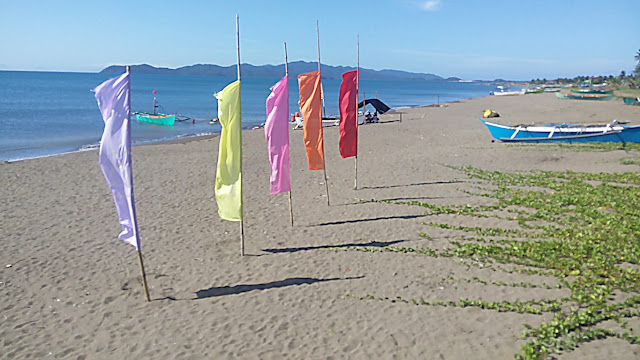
(582, 228)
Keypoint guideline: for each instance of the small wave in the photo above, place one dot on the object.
(89, 147)
(206, 133)
(171, 138)
(30, 157)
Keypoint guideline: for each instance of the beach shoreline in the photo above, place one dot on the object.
(33, 131)
(71, 289)
(182, 139)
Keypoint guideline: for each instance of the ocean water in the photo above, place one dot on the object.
(49, 113)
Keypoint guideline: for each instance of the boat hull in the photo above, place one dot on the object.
(564, 133)
(631, 101)
(580, 91)
(508, 93)
(156, 119)
(591, 96)
(585, 96)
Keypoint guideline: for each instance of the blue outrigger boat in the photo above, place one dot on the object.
(158, 119)
(614, 132)
(155, 118)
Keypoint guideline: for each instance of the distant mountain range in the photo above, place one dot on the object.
(275, 71)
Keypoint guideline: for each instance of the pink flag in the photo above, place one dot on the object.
(115, 151)
(276, 129)
(348, 104)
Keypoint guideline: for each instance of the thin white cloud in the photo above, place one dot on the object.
(431, 5)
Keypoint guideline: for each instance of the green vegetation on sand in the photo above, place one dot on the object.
(581, 228)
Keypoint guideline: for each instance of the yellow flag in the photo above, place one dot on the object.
(229, 173)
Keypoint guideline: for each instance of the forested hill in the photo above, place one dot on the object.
(276, 71)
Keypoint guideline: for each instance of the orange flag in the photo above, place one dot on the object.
(311, 111)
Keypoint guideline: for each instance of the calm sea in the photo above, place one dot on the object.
(48, 113)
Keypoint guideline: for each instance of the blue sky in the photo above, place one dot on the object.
(471, 39)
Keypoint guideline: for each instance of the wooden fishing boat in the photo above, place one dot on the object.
(590, 96)
(631, 101)
(592, 91)
(614, 132)
(158, 119)
(155, 118)
(585, 96)
(501, 91)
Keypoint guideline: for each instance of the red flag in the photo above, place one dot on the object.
(348, 103)
(311, 110)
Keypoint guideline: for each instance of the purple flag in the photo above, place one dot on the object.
(115, 151)
(276, 129)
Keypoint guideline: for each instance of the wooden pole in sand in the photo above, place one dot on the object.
(324, 167)
(144, 275)
(286, 70)
(364, 103)
(355, 177)
(241, 191)
(364, 108)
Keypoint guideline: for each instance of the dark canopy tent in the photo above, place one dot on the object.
(380, 107)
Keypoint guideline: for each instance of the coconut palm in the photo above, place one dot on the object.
(636, 71)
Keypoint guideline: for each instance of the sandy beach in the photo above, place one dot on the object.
(71, 290)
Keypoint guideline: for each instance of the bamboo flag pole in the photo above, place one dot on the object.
(324, 167)
(286, 70)
(355, 177)
(241, 190)
(144, 276)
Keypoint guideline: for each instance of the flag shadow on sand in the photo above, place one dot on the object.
(355, 221)
(307, 248)
(416, 184)
(238, 289)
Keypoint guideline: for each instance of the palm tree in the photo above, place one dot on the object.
(636, 71)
